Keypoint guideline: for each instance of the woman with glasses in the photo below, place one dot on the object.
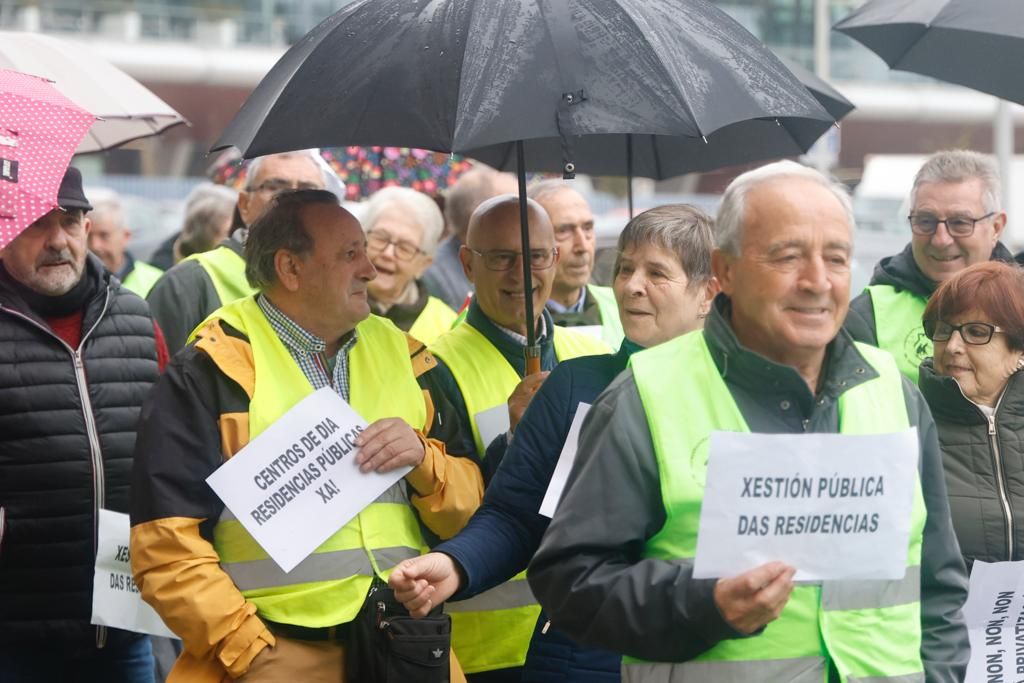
(663, 287)
(403, 228)
(975, 390)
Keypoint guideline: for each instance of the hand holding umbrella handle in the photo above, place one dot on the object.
(532, 354)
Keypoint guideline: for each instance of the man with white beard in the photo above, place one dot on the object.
(78, 353)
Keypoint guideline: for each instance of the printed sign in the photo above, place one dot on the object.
(565, 462)
(116, 601)
(297, 483)
(994, 613)
(830, 505)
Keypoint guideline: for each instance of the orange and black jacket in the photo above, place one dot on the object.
(194, 419)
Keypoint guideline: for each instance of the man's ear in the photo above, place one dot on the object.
(466, 259)
(288, 267)
(999, 223)
(723, 267)
(86, 224)
(244, 197)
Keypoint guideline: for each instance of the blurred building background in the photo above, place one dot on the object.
(204, 56)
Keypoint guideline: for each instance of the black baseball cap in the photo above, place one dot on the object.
(71, 195)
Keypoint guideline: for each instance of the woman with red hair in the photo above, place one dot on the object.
(975, 389)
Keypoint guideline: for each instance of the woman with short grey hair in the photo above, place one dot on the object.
(403, 227)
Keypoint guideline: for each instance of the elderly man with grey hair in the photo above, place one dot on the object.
(615, 569)
(956, 219)
(403, 227)
(202, 283)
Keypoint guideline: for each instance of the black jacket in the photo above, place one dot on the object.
(901, 272)
(984, 463)
(67, 432)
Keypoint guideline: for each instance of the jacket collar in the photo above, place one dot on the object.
(949, 404)
(508, 347)
(844, 369)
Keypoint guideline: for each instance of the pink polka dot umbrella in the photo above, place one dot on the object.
(39, 131)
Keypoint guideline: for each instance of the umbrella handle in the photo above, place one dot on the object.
(532, 354)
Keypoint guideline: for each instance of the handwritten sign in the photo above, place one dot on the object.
(116, 601)
(297, 483)
(565, 462)
(830, 505)
(994, 613)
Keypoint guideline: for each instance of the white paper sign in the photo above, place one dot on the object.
(994, 613)
(116, 601)
(492, 423)
(565, 460)
(830, 505)
(297, 483)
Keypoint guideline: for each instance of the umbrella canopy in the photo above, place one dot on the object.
(461, 75)
(976, 43)
(125, 108)
(39, 131)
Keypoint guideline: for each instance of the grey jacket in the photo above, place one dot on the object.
(984, 463)
(589, 574)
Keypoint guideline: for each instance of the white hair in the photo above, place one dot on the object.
(957, 166)
(329, 179)
(420, 207)
(106, 204)
(731, 213)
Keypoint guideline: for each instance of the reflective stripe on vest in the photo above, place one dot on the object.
(435, 319)
(485, 378)
(611, 326)
(868, 629)
(227, 272)
(493, 629)
(329, 586)
(142, 278)
(898, 327)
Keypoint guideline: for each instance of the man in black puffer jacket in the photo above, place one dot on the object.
(77, 356)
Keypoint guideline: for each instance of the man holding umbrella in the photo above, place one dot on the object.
(482, 367)
(956, 219)
(574, 301)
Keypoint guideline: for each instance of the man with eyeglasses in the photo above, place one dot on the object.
(575, 302)
(955, 220)
(481, 368)
(403, 227)
(202, 283)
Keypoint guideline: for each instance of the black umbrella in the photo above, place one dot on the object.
(460, 75)
(976, 43)
(666, 156)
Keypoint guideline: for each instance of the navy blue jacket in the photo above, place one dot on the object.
(505, 532)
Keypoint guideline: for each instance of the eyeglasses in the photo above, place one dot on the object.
(956, 226)
(976, 333)
(379, 241)
(504, 259)
(275, 186)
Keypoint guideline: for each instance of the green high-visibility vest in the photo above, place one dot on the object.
(435, 319)
(329, 586)
(227, 272)
(142, 278)
(869, 630)
(493, 630)
(611, 326)
(898, 327)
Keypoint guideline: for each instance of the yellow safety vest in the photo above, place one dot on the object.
(227, 272)
(869, 630)
(435, 319)
(493, 629)
(142, 278)
(898, 327)
(611, 326)
(329, 586)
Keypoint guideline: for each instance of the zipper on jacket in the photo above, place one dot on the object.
(1001, 483)
(96, 455)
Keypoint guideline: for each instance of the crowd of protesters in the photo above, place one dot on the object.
(124, 386)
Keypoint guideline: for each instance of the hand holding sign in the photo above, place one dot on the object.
(756, 597)
(387, 445)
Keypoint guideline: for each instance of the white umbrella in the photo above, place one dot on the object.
(126, 109)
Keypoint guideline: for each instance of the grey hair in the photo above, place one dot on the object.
(280, 227)
(545, 188)
(203, 219)
(957, 166)
(312, 155)
(731, 213)
(420, 207)
(106, 204)
(469, 191)
(205, 190)
(682, 229)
